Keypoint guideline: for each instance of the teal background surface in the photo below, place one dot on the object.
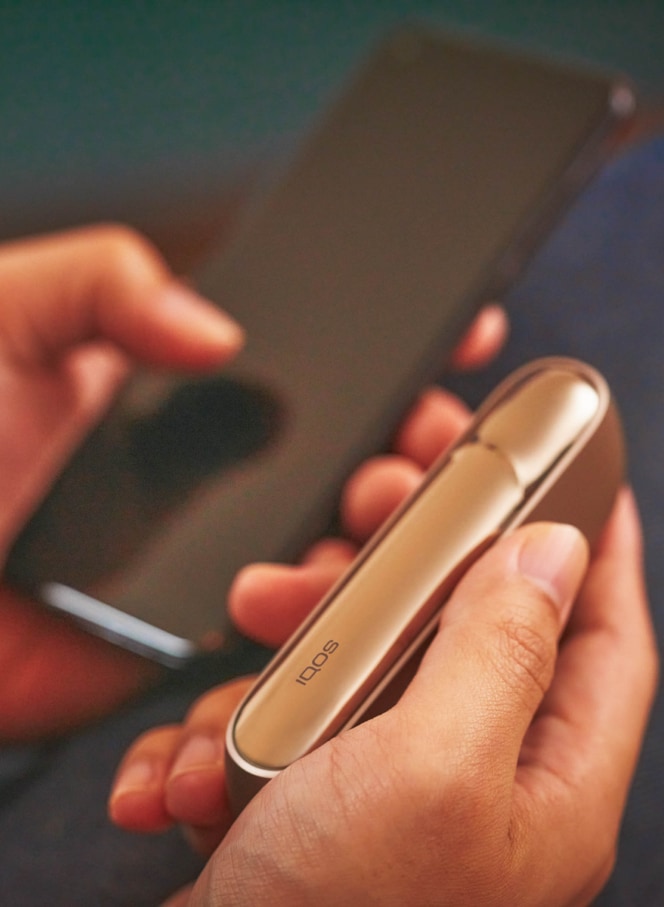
(151, 110)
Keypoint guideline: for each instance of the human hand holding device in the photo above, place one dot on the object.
(77, 310)
(562, 733)
(499, 778)
(545, 445)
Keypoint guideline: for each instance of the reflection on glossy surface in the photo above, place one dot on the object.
(524, 438)
(540, 422)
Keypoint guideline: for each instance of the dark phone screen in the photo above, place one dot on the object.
(419, 196)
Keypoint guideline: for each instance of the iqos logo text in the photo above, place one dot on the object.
(318, 662)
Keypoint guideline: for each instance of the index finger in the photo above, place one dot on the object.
(483, 339)
(107, 283)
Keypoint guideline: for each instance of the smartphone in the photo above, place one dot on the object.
(420, 194)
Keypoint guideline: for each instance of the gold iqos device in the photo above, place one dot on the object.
(546, 445)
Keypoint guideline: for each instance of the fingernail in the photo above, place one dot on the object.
(136, 776)
(554, 557)
(199, 315)
(199, 752)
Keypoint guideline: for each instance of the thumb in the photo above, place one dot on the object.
(486, 672)
(105, 283)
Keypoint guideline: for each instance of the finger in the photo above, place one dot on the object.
(483, 340)
(137, 800)
(330, 551)
(195, 789)
(487, 669)
(268, 602)
(374, 491)
(107, 282)
(434, 422)
(591, 724)
(175, 773)
(578, 757)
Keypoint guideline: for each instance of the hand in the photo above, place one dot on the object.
(268, 601)
(76, 310)
(499, 778)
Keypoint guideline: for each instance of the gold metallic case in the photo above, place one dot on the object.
(546, 445)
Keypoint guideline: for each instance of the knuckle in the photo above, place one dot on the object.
(525, 656)
(124, 250)
(348, 764)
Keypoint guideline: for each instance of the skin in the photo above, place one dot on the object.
(503, 771)
(79, 310)
(499, 778)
